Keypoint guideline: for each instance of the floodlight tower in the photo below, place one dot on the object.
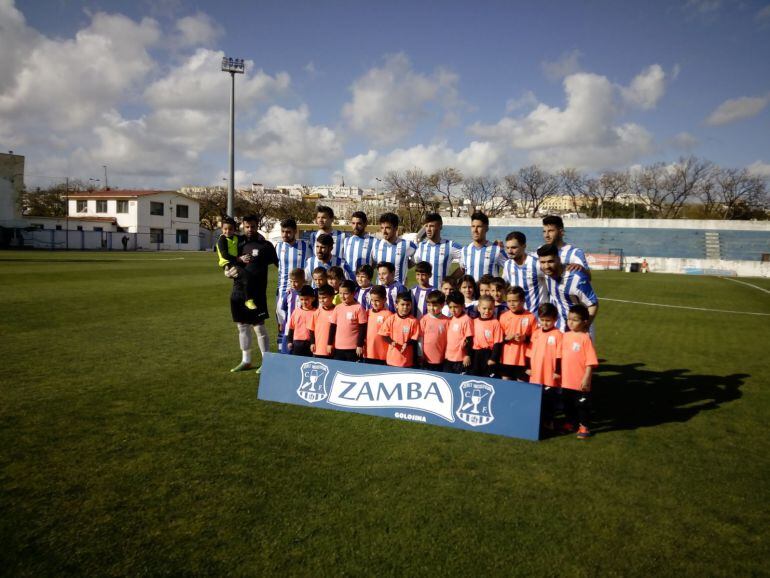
(233, 66)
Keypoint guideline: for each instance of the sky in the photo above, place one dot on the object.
(350, 90)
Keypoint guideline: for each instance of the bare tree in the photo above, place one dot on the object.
(486, 194)
(442, 182)
(683, 182)
(649, 185)
(531, 186)
(736, 190)
(414, 194)
(578, 186)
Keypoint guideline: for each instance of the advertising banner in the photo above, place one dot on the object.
(483, 404)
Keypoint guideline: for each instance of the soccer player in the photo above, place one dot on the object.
(386, 272)
(255, 254)
(227, 253)
(459, 341)
(433, 331)
(574, 259)
(292, 254)
(566, 287)
(392, 248)
(364, 275)
(359, 244)
(497, 290)
(376, 348)
(324, 219)
(335, 276)
(287, 306)
(523, 270)
(481, 257)
(440, 253)
(347, 334)
(321, 323)
(487, 339)
(298, 342)
(544, 360)
(578, 361)
(401, 332)
(323, 257)
(422, 274)
(518, 325)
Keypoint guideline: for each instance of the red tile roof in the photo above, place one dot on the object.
(118, 194)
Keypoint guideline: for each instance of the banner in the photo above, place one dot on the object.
(508, 408)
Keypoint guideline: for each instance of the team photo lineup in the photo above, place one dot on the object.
(503, 312)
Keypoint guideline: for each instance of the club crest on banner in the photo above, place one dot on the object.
(312, 388)
(475, 407)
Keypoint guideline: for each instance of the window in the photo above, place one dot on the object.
(82, 206)
(100, 229)
(80, 227)
(181, 236)
(182, 211)
(156, 208)
(122, 206)
(120, 229)
(101, 206)
(38, 226)
(58, 227)
(156, 235)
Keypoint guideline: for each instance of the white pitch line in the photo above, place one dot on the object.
(685, 307)
(749, 284)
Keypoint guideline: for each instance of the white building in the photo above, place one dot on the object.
(159, 219)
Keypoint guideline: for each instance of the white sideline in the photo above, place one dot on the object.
(684, 307)
(749, 284)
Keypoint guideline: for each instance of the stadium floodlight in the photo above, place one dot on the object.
(233, 66)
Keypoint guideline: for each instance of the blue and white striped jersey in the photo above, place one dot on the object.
(529, 277)
(391, 293)
(439, 255)
(314, 262)
(290, 256)
(362, 297)
(358, 251)
(480, 261)
(571, 288)
(398, 253)
(420, 300)
(571, 254)
(339, 242)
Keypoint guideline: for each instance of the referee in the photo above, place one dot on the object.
(256, 254)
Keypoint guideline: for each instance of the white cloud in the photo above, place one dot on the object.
(587, 132)
(525, 101)
(64, 84)
(646, 89)
(388, 101)
(478, 158)
(760, 168)
(736, 109)
(567, 64)
(198, 30)
(286, 144)
(684, 141)
(199, 83)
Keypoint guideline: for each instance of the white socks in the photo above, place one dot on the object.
(263, 339)
(244, 339)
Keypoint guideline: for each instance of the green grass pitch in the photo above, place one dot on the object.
(127, 448)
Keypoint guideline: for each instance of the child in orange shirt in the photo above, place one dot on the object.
(459, 339)
(401, 332)
(578, 360)
(376, 348)
(433, 328)
(544, 359)
(347, 334)
(518, 324)
(321, 323)
(487, 339)
(300, 322)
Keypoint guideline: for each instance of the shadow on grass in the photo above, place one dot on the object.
(630, 396)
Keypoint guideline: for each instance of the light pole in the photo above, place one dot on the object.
(233, 66)
(106, 184)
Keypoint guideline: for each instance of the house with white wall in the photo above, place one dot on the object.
(160, 219)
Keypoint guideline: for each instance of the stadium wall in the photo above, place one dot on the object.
(708, 225)
(720, 267)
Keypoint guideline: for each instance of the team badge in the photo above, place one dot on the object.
(475, 407)
(312, 388)
(575, 347)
